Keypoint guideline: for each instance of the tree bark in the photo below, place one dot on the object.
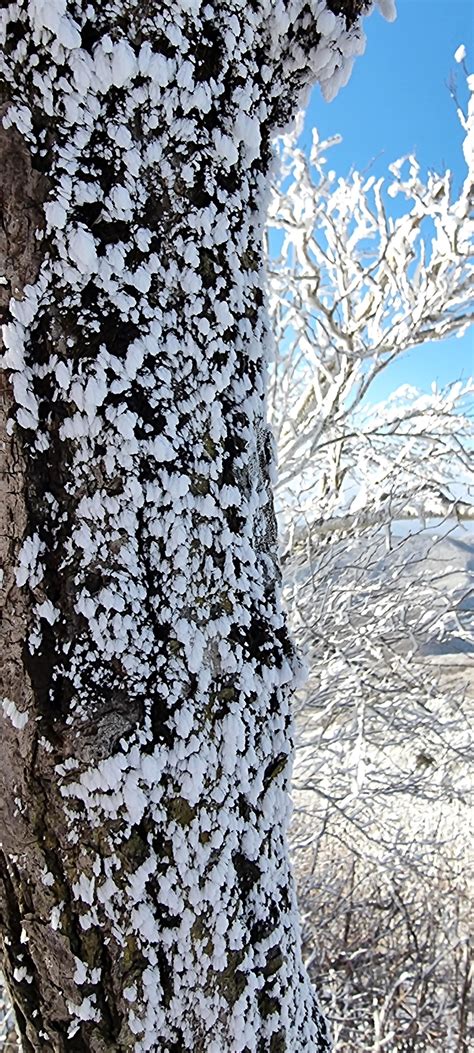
(146, 897)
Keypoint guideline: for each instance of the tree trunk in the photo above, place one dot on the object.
(146, 899)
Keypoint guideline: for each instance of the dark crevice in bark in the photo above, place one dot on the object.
(25, 995)
(350, 9)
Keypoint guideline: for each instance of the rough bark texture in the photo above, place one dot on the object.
(23, 192)
(146, 899)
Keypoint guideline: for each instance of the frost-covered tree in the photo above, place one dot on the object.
(353, 289)
(146, 733)
(383, 788)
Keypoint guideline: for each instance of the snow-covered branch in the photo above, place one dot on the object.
(353, 289)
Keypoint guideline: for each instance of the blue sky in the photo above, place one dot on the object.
(397, 101)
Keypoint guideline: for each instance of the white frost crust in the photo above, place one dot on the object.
(19, 718)
(29, 568)
(188, 366)
(388, 9)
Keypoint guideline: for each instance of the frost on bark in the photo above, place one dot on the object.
(146, 901)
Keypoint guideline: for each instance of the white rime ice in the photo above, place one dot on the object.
(18, 719)
(138, 361)
(388, 9)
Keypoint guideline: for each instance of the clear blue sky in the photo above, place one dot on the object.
(397, 102)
